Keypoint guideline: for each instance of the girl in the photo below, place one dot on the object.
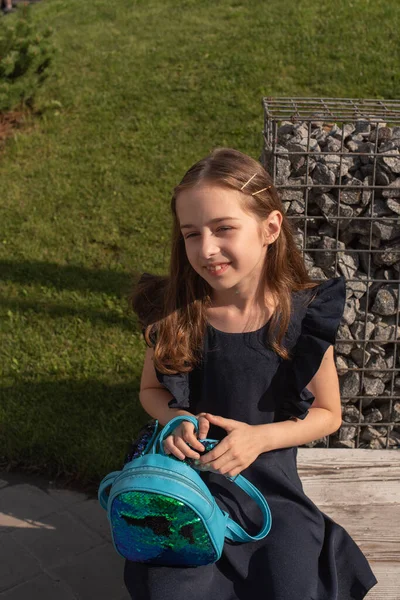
(239, 336)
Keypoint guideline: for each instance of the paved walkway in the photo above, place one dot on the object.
(55, 544)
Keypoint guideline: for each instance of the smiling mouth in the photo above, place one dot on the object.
(218, 269)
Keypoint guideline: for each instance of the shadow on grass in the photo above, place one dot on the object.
(75, 278)
(72, 431)
(67, 277)
(93, 316)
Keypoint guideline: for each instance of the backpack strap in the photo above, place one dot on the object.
(106, 483)
(235, 532)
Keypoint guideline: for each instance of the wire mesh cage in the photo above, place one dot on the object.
(336, 162)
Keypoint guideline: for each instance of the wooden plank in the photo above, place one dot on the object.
(376, 529)
(337, 476)
(388, 586)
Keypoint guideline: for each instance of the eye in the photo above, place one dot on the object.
(219, 229)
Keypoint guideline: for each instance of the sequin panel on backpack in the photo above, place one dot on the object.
(152, 527)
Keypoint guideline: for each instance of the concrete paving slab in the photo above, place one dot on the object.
(94, 516)
(63, 538)
(16, 563)
(42, 587)
(26, 502)
(55, 543)
(66, 497)
(97, 573)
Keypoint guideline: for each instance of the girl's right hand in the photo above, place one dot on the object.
(184, 434)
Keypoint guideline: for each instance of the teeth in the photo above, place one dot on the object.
(217, 268)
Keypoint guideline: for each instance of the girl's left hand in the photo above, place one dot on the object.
(236, 451)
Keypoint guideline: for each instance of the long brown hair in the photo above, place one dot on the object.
(174, 307)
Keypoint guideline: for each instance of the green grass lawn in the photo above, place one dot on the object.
(139, 91)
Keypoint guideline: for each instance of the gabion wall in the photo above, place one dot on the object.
(337, 164)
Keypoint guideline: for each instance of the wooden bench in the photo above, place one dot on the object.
(360, 490)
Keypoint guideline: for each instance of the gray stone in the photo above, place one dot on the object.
(353, 195)
(372, 415)
(373, 387)
(344, 333)
(367, 151)
(349, 385)
(351, 414)
(380, 364)
(362, 126)
(327, 259)
(393, 190)
(385, 302)
(330, 208)
(370, 433)
(349, 314)
(385, 231)
(361, 330)
(343, 444)
(392, 163)
(357, 288)
(396, 412)
(384, 135)
(323, 178)
(347, 434)
(295, 208)
(341, 366)
(393, 205)
(347, 264)
(289, 194)
(390, 255)
(360, 356)
(384, 333)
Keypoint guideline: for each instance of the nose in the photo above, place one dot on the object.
(208, 246)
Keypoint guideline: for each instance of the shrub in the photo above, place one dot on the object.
(25, 55)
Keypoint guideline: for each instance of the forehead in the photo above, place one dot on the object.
(202, 203)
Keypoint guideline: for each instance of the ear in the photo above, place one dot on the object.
(272, 227)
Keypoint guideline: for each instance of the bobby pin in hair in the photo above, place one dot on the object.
(263, 190)
(248, 181)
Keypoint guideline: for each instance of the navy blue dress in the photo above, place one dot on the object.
(306, 555)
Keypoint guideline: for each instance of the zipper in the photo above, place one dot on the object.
(182, 479)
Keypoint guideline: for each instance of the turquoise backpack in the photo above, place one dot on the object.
(160, 510)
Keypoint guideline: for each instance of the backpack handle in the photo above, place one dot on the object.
(158, 446)
(234, 531)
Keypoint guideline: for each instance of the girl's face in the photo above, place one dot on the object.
(224, 244)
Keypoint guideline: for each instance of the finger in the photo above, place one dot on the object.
(170, 448)
(184, 448)
(228, 468)
(210, 457)
(227, 424)
(204, 426)
(190, 438)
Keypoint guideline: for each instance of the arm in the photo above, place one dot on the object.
(153, 396)
(324, 416)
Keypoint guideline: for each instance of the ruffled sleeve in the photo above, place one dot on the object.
(318, 331)
(177, 384)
